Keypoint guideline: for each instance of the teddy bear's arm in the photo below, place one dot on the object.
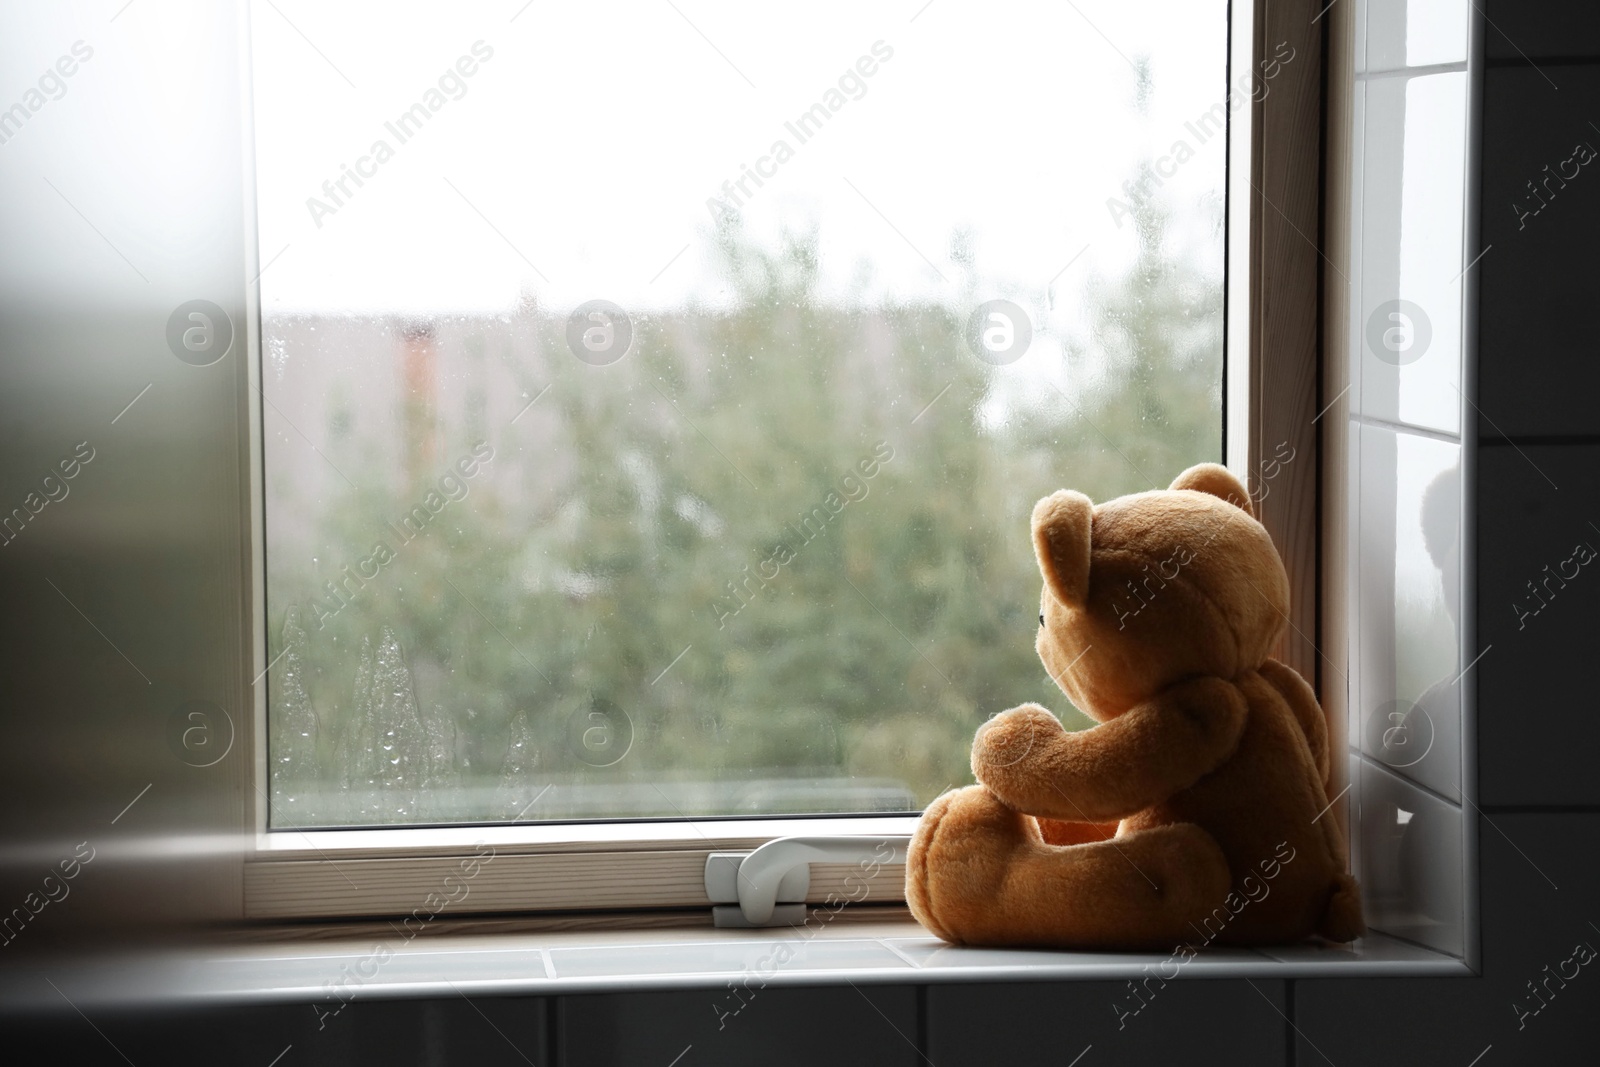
(1307, 712)
(1118, 768)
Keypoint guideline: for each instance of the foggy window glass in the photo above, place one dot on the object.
(655, 394)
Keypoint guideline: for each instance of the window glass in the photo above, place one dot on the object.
(655, 395)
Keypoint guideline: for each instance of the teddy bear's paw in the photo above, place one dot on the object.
(958, 859)
(919, 891)
(1008, 739)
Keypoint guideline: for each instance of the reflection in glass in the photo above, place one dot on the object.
(1410, 271)
(1412, 628)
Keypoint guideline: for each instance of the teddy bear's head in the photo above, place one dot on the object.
(1153, 588)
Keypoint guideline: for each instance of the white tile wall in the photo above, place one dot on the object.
(1407, 270)
(1410, 229)
(1413, 33)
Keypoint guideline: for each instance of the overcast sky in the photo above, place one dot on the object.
(579, 160)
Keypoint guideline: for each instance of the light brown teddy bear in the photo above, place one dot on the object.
(1196, 810)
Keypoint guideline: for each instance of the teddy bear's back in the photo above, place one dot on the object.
(1267, 810)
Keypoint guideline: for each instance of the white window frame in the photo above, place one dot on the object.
(632, 866)
(1283, 195)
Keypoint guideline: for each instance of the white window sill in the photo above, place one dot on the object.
(893, 953)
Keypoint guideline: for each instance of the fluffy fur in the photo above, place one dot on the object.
(1194, 810)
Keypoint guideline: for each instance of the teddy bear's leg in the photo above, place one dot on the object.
(979, 873)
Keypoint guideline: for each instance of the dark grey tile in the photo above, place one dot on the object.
(1541, 29)
(500, 1032)
(1538, 734)
(1185, 1021)
(1536, 314)
(777, 1027)
(1528, 924)
(504, 1031)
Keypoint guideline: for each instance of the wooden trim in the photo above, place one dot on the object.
(1293, 308)
(499, 883)
(1337, 605)
(1284, 345)
(343, 874)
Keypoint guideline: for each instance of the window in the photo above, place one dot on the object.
(546, 640)
(650, 427)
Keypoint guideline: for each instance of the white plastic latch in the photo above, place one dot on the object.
(768, 887)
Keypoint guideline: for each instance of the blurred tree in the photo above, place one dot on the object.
(692, 537)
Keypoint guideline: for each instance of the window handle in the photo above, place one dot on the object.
(768, 887)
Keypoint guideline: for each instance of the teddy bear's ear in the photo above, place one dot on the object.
(1061, 524)
(1217, 480)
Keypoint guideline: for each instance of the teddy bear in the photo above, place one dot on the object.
(1196, 810)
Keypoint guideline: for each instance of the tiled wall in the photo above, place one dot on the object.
(1081, 1023)
(1537, 469)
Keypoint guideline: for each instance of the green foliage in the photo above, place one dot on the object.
(637, 545)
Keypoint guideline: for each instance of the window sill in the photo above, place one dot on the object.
(544, 964)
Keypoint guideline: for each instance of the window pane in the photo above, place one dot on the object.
(655, 396)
